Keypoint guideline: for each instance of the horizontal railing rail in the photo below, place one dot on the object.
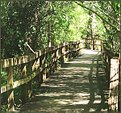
(22, 71)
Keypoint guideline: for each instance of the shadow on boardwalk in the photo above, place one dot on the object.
(78, 87)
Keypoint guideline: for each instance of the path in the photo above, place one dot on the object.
(78, 87)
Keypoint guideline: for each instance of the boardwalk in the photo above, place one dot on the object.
(78, 87)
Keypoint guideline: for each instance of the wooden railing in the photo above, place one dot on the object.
(112, 73)
(34, 67)
(93, 44)
(24, 70)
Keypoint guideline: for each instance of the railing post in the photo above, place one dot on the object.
(114, 85)
(44, 65)
(55, 62)
(93, 44)
(11, 92)
(78, 47)
(51, 61)
(30, 70)
(74, 48)
(63, 52)
(48, 62)
(61, 56)
(101, 46)
(54, 57)
(41, 74)
(67, 52)
(24, 94)
(69, 49)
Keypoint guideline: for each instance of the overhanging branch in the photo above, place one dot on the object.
(98, 16)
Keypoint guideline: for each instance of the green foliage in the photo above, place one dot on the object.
(28, 22)
(108, 22)
(3, 77)
(40, 22)
(112, 12)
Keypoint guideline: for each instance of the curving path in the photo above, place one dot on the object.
(78, 87)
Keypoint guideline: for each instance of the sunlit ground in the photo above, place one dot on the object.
(77, 87)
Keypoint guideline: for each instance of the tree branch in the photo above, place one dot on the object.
(106, 14)
(30, 47)
(98, 15)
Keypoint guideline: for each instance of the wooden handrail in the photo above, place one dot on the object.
(40, 64)
(10, 62)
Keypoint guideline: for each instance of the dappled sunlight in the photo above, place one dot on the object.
(77, 87)
(54, 94)
(72, 102)
(75, 69)
(81, 102)
(62, 101)
(97, 101)
(60, 56)
(88, 51)
(84, 62)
